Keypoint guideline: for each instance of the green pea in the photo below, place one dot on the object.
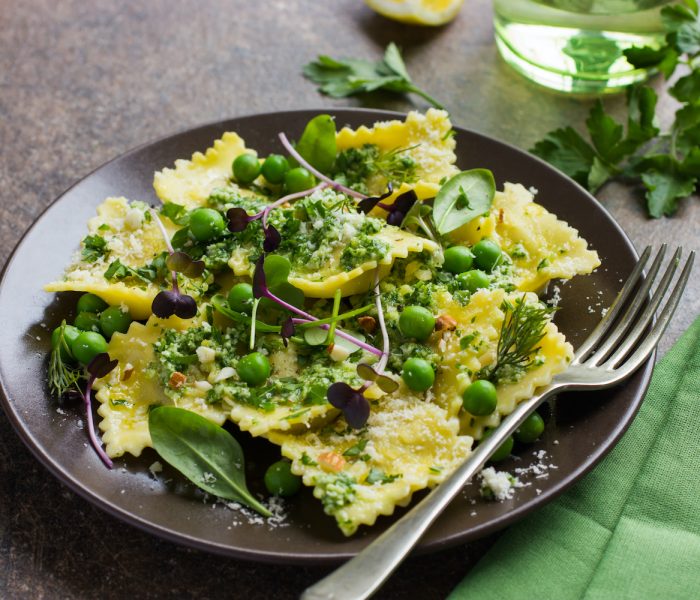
(246, 168)
(274, 168)
(87, 321)
(416, 322)
(418, 374)
(114, 319)
(69, 335)
(298, 180)
(503, 450)
(87, 346)
(487, 253)
(254, 368)
(480, 398)
(90, 303)
(206, 224)
(280, 481)
(530, 430)
(240, 298)
(473, 280)
(458, 259)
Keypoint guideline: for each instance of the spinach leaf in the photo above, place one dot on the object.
(464, 197)
(205, 453)
(317, 143)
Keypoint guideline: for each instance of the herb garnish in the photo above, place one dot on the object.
(668, 165)
(62, 376)
(94, 247)
(462, 198)
(354, 166)
(348, 77)
(522, 329)
(173, 302)
(205, 453)
(398, 210)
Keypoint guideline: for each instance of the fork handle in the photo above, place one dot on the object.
(362, 575)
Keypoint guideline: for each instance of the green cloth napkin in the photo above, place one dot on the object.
(629, 529)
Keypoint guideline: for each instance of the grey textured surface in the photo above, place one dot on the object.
(81, 83)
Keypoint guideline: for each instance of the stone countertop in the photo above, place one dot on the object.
(82, 82)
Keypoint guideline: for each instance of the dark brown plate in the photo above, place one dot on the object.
(581, 430)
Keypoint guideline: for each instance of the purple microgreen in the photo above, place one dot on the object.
(181, 262)
(304, 163)
(273, 239)
(288, 330)
(259, 281)
(352, 402)
(170, 302)
(98, 367)
(399, 208)
(273, 272)
(369, 203)
(101, 365)
(238, 219)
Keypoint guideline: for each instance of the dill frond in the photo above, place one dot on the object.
(522, 330)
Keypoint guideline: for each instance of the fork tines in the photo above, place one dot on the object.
(627, 334)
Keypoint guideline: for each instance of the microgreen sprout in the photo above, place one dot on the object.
(352, 402)
(99, 366)
(397, 210)
(304, 163)
(277, 272)
(287, 330)
(173, 302)
(238, 218)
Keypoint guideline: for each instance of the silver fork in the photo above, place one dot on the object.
(607, 357)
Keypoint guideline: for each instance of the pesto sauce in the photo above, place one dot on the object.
(177, 351)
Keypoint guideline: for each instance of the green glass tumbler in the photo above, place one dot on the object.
(576, 46)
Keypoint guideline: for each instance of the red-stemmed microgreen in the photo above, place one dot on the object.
(352, 402)
(397, 210)
(287, 330)
(238, 218)
(173, 302)
(99, 367)
(304, 163)
(271, 272)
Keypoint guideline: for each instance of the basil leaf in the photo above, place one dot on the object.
(464, 197)
(317, 143)
(205, 453)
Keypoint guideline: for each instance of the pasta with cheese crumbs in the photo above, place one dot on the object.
(327, 316)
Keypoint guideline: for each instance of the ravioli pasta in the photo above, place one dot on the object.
(348, 266)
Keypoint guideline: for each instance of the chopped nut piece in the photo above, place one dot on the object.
(367, 323)
(127, 372)
(177, 380)
(445, 322)
(500, 215)
(331, 461)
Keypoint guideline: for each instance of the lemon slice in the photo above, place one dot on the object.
(417, 12)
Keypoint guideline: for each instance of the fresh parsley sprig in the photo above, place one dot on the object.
(667, 164)
(340, 78)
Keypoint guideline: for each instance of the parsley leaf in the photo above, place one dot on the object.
(94, 247)
(667, 164)
(348, 77)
